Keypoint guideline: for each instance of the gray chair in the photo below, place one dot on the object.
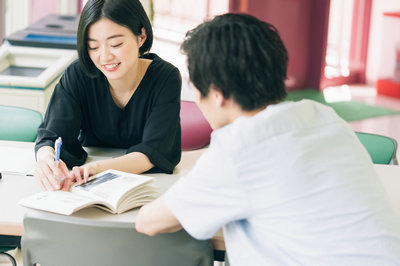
(51, 239)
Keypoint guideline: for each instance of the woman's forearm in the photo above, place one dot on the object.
(134, 162)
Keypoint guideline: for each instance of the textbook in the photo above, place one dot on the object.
(111, 190)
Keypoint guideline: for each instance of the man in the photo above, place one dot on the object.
(288, 181)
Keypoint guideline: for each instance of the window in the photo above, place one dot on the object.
(182, 15)
(339, 36)
(172, 19)
(347, 44)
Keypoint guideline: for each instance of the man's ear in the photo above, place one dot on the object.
(218, 96)
(142, 37)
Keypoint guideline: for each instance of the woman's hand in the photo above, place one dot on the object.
(50, 175)
(134, 162)
(80, 174)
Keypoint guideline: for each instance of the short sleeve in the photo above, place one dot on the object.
(63, 119)
(209, 197)
(161, 141)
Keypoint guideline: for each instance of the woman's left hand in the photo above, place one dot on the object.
(80, 174)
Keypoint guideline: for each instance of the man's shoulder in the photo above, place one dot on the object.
(273, 122)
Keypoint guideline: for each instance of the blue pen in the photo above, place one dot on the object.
(57, 148)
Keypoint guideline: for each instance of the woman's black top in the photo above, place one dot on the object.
(82, 111)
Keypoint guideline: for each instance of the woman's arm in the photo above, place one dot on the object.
(161, 137)
(62, 119)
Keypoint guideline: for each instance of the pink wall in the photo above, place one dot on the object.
(318, 43)
(303, 28)
(41, 8)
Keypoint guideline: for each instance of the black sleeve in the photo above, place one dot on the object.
(63, 119)
(161, 141)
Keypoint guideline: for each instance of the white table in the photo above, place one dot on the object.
(18, 156)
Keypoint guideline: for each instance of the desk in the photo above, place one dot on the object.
(15, 187)
(19, 157)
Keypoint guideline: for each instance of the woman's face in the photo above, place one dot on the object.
(114, 49)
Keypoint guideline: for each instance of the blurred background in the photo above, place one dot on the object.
(330, 42)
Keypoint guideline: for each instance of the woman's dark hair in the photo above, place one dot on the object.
(127, 13)
(240, 56)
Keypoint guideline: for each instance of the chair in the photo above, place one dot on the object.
(19, 124)
(3, 251)
(196, 131)
(52, 239)
(8, 242)
(382, 149)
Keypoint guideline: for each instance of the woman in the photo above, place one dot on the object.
(116, 95)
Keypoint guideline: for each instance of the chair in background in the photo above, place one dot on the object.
(19, 124)
(52, 239)
(3, 251)
(382, 149)
(196, 131)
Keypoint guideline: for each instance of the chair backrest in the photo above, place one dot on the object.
(8, 243)
(382, 149)
(196, 131)
(19, 124)
(3, 252)
(51, 239)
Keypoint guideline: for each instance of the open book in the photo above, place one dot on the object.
(111, 190)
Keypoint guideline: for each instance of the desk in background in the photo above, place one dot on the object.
(18, 156)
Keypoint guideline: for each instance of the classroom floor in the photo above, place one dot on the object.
(386, 125)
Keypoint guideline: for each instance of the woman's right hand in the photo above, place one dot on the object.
(49, 174)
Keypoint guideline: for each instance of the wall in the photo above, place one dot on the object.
(20, 14)
(41, 8)
(377, 61)
(17, 15)
(291, 19)
(303, 29)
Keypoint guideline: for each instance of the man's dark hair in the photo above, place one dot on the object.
(240, 56)
(127, 13)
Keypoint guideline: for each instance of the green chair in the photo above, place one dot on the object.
(382, 149)
(19, 124)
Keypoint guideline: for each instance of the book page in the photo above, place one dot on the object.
(62, 202)
(137, 197)
(111, 186)
(106, 189)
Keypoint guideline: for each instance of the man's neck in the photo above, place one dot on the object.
(236, 112)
